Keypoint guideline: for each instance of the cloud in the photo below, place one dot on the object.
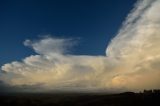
(131, 62)
(49, 47)
(54, 69)
(137, 45)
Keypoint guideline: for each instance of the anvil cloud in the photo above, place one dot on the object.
(132, 60)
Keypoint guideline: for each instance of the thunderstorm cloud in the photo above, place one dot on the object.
(132, 60)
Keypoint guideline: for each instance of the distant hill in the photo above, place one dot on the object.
(147, 98)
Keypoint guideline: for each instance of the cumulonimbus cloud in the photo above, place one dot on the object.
(132, 61)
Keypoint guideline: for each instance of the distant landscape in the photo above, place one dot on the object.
(147, 98)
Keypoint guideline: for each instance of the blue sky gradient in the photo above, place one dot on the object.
(95, 22)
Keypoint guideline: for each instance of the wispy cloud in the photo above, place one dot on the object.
(132, 61)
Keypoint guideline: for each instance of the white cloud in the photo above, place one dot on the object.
(56, 69)
(50, 46)
(137, 45)
(132, 60)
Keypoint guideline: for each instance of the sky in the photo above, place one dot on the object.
(95, 46)
(94, 23)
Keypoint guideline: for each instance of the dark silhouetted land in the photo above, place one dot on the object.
(147, 98)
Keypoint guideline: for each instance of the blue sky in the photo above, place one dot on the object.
(95, 22)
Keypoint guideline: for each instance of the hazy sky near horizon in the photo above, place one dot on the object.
(82, 45)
